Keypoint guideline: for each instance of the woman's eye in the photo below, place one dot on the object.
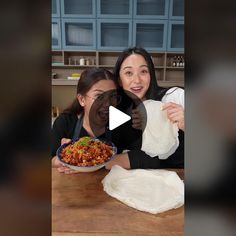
(144, 72)
(128, 73)
(99, 97)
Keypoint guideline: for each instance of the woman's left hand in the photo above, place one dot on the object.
(57, 164)
(175, 113)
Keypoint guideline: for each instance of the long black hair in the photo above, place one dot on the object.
(154, 91)
(88, 78)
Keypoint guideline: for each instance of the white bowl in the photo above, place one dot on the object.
(84, 168)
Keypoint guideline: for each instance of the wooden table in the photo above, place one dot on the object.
(81, 207)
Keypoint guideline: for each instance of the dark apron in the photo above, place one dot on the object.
(79, 125)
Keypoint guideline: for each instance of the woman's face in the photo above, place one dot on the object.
(135, 76)
(98, 93)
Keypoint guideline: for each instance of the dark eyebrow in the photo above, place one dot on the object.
(98, 90)
(127, 67)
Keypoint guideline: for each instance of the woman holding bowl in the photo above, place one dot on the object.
(79, 120)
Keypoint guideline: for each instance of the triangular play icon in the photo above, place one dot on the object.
(116, 118)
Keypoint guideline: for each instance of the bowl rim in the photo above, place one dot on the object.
(75, 140)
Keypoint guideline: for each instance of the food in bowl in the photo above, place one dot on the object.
(87, 152)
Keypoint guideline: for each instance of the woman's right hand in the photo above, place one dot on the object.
(175, 113)
(57, 164)
(136, 119)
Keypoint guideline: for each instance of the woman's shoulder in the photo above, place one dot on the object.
(66, 118)
(174, 94)
(174, 90)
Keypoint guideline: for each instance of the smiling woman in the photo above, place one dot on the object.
(88, 112)
(135, 73)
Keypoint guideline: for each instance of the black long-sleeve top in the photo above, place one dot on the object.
(125, 138)
(132, 138)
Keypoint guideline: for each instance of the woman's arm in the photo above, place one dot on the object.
(137, 159)
(63, 127)
(120, 160)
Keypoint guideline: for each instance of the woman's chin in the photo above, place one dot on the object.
(135, 95)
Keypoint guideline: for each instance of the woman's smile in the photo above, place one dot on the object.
(136, 89)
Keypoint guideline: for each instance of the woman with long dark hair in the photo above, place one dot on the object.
(135, 73)
(79, 120)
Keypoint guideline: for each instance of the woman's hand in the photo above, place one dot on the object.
(57, 164)
(175, 113)
(136, 119)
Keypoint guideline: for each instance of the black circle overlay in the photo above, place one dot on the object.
(124, 101)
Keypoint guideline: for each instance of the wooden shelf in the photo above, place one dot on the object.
(106, 66)
(167, 75)
(65, 82)
(170, 83)
(72, 66)
(62, 82)
(175, 67)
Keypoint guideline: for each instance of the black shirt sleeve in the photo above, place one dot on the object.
(139, 159)
(127, 138)
(63, 127)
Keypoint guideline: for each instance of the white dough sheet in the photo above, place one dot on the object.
(152, 191)
(160, 136)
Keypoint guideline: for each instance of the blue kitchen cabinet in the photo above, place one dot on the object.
(114, 34)
(56, 33)
(176, 9)
(55, 8)
(114, 8)
(78, 8)
(176, 36)
(150, 34)
(151, 9)
(157, 25)
(78, 34)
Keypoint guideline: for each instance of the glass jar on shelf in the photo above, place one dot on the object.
(178, 61)
(174, 61)
(182, 61)
(87, 62)
(82, 61)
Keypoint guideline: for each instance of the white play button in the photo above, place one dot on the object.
(116, 118)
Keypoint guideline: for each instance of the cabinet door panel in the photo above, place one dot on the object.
(114, 34)
(157, 9)
(55, 8)
(177, 9)
(150, 34)
(56, 34)
(114, 8)
(79, 34)
(78, 8)
(176, 36)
